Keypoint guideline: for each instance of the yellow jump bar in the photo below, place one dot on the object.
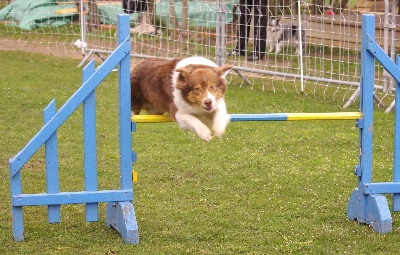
(151, 118)
(325, 116)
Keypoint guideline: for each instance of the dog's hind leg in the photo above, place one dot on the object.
(303, 40)
(271, 46)
(298, 48)
(278, 47)
(136, 105)
(297, 45)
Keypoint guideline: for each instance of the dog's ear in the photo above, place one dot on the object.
(186, 69)
(224, 70)
(183, 71)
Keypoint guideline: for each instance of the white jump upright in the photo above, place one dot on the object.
(120, 212)
(367, 203)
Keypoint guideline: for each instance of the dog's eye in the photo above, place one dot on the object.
(197, 89)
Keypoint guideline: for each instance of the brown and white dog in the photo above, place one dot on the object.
(191, 90)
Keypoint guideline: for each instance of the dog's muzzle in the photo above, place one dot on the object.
(208, 104)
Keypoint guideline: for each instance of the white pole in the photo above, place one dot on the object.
(301, 48)
(83, 10)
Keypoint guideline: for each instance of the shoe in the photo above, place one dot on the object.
(255, 56)
(236, 53)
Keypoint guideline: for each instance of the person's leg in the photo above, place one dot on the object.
(243, 29)
(260, 29)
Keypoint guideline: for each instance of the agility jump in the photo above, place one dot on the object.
(366, 205)
(120, 213)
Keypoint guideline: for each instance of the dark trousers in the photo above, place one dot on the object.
(260, 25)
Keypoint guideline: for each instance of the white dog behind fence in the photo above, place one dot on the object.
(283, 35)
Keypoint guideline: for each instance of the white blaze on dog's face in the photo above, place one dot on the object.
(202, 86)
(273, 24)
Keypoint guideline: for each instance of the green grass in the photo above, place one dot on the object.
(264, 188)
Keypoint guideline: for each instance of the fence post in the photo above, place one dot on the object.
(220, 32)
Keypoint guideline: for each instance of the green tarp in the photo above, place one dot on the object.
(200, 13)
(30, 14)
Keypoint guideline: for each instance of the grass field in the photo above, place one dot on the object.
(264, 188)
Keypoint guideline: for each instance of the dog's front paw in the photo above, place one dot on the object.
(220, 125)
(205, 134)
(219, 132)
